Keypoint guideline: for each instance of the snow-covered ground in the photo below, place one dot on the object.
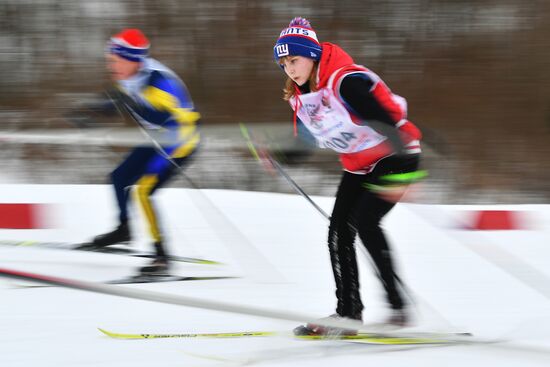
(491, 283)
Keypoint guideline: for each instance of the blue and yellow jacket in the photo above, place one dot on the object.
(162, 102)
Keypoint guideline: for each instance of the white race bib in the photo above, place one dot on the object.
(330, 123)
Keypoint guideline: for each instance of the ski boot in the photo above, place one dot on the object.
(120, 235)
(398, 317)
(160, 265)
(314, 329)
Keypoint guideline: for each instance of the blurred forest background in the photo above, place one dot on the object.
(475, 74)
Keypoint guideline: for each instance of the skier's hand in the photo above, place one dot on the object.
(408, 131)
(80, 118)
(86, 113)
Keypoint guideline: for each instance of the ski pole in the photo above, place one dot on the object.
(299, 190)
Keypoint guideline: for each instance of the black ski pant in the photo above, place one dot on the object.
(357, 210)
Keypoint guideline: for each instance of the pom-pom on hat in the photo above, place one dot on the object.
(130, 44)
(298, 38)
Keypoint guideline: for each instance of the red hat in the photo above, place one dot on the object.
(130, 44)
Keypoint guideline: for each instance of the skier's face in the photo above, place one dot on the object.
(120, 68)
(298, 68)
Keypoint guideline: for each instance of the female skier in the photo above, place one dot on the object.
(349, 109)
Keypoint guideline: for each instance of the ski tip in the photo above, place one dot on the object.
(108, 333)
(119, 336)
(18, 243)
(208, 262)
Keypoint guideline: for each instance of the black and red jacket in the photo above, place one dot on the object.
(367, 98)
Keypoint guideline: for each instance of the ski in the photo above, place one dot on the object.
(241, 334)
(367, 338)
(115, 250)
(137, 279)
(142, 278)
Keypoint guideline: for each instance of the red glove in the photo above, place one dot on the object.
(408, 131)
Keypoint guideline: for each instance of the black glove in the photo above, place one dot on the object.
(86, 114)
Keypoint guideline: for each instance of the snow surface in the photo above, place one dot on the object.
(491, 283)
